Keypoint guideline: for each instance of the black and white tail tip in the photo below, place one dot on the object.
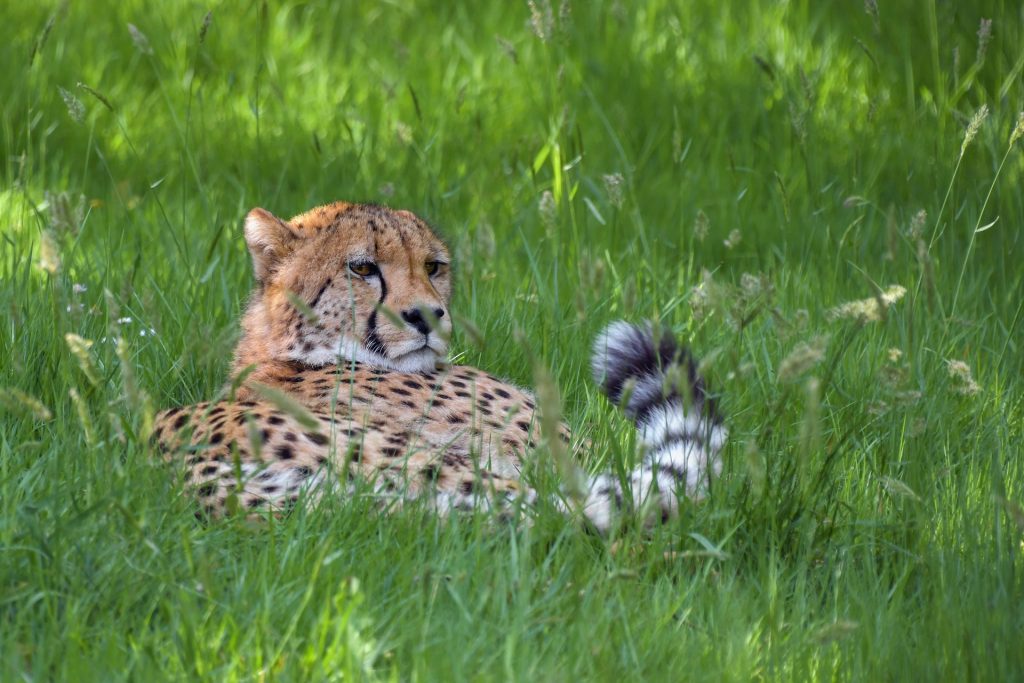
(644, 370)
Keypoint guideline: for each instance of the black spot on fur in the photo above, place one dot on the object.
(284, 452)
(431, 472)
(318, 439)
(355, 451)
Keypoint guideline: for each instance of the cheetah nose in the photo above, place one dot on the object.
(414, 316)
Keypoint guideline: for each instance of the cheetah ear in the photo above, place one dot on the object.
(269, 239)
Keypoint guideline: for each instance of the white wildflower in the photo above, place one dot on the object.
(735, 237)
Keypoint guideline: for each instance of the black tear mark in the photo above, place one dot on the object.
(316, 299)
(373, 342)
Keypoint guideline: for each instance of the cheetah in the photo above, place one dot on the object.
(340, 379)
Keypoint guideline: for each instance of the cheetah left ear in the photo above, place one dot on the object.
(270, 240)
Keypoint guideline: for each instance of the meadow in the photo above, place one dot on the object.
(823, 199)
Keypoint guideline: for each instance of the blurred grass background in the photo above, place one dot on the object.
(738, 173)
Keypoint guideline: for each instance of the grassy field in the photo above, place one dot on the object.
(763, 179)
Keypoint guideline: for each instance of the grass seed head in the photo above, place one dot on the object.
(871, 8)
(917, 223)
(613, 183)
(973, 127)
(83, 416)
(868, 310)
(205, 28)
(984, 38)
(542, 19)
(962, 380)
(548, 210)
(80, 350)
(802, 358)
(701, 226)
(140, 40)
(734, 239)
(76, 110)
(49, 253)
(1018, 130)
(18, 402)
(65, 211)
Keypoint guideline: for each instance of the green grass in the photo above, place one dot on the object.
(868, 523)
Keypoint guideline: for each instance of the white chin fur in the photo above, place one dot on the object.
(419, 360)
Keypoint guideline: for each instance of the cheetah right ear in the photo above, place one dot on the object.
(270, 240)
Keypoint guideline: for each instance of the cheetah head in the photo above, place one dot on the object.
(347, 281)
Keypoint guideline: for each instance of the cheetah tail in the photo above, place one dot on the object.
(644, 370)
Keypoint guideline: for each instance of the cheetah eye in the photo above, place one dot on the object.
(363, 268)
(433, 267)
